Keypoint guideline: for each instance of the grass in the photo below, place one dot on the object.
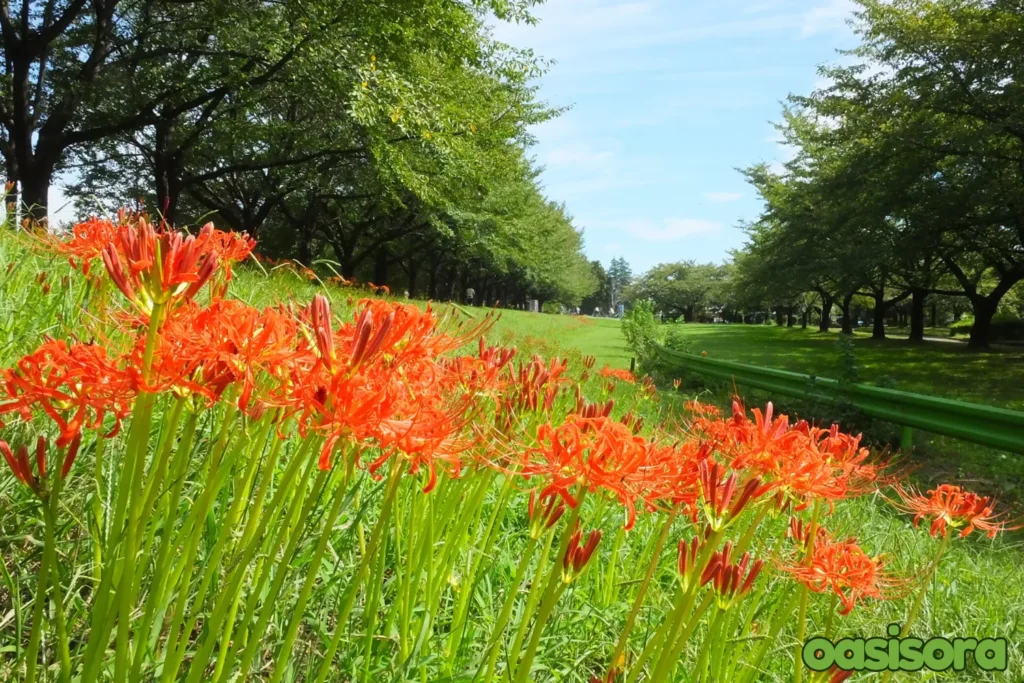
(977, 592)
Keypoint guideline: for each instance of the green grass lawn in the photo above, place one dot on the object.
(938, 368)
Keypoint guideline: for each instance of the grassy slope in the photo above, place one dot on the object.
(978, 589)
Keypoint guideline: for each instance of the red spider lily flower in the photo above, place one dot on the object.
(585, 409)
(428, 437)
(840, 675)
(670, 474)
(22, 468)
(229, 248)
(951, 506)
(545, 515)
(86, 242)
(720, 503)
(577, 555)
(698, 408)
(845, 569)
(800, 532)
(676, 383)
(162, 265)
(75, 385)
(730, 581)
(617, 374)
(205, 350)
(588, 362)
(598, 453)
(323, 330)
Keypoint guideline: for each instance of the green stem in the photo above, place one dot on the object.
(801, 622)
(298, 610)
(349, 599)
(493, 649)
(551, 593)
(652, 565)
(50, 549)
(915, 609)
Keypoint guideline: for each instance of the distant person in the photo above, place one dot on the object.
(597, 311)
(470, 295)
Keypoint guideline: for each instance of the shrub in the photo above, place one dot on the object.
(640, 327)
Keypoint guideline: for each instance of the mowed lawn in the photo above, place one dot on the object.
(544, 333)
(938, 368)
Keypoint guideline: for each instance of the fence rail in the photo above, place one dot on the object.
(985, 425)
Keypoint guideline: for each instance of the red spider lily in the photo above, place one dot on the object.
(76, 385)
(161, 265)
(586, 409)
(546, 514)
(323, 330)
(578, 554)
(720, 503)
(801, 532)
(845, 569)
(730, 581)
(951, 506)
(535, 381)
(617, 374)
(689, 553)
(676, 383)
(427, 437)
(86, 243)
(598, 453)
(22, 468)
(207, 349)
(840, 675)
(698, 408)
(588, 362)
(671, 474)
(229, 248)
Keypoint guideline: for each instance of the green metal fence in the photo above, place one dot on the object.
(993, 427)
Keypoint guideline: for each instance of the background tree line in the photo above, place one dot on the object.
(391, 138)
(904, 199)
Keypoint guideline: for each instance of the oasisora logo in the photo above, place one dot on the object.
(904, 654)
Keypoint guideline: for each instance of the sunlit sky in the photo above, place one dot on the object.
(668, 99)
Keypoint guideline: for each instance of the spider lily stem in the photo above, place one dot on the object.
(915, 608)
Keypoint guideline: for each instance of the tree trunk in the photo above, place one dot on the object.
(878, 327)
(935, 314)
(917, 305)
(981, 332)
(778, 317)
(35, 190)
(790, 318)
(825, 322)
(844, 306)
(380, 267)
(804, 317)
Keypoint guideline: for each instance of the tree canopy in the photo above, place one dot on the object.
(391, 138)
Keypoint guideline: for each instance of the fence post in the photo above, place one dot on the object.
(906, 439)
(632, 365)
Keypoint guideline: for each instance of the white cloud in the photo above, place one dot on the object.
(833, 15)
(671, 229)
(723, 197)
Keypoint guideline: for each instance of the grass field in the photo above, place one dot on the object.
(977, 592)
(938, 368)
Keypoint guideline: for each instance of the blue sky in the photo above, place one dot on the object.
(668, 98)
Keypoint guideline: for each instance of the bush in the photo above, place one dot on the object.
(1005, 326)
(640, 327)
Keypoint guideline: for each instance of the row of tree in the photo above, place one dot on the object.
(905, 193)
(391, 138)
(908, 176)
